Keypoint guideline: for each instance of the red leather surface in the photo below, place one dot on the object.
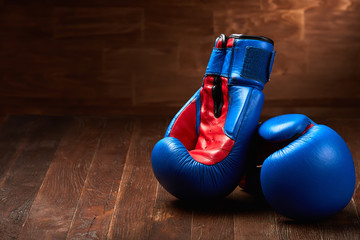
(219, 44)
(184, 127)
(230, 43)
(212, 144)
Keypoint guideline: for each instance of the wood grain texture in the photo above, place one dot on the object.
(22, 180)
(339, 58)
(148, 57)
(322, 21)
(212, 220)
(291, 60)
(96, 204)
(13, 135)
(154, 95)
(80, 22)
(253, 218)
(271, 5)
(137, 190)
(171, 219)
(56, 202)
(170, 23)
(91, 178)
(262, 23)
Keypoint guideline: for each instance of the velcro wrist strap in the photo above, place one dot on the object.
(248, 61)
(257, 64)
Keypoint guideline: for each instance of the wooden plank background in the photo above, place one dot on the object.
(91, 178)
(148, 57)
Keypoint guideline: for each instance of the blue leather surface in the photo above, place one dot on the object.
(216, 62)
(239, 56)
(227, 62)
(186, 178)
(243, 99)
(243, 91)
(284, 127)
(312, 177)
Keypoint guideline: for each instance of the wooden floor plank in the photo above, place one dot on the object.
(214, 220)
(91, 178)
(289, 229)
(136, 198)
(343, 225)
(253, 218)
(24, 177)
(13, 135)
(171, 220)
(54, 206)
(96, 204)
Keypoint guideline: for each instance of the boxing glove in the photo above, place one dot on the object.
(202, 153)
(308, 172)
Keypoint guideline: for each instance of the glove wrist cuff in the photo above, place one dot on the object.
(216, 61)
(248, 59)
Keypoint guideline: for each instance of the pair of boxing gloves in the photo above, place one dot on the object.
(304, 170)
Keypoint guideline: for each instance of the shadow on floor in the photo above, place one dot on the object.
(237, 202)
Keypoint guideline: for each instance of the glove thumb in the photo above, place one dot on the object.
(285, 127)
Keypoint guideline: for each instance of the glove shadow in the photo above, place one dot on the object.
(239, 202)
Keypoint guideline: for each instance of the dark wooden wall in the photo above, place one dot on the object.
(148, 57)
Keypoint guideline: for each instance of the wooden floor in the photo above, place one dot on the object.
(91, 178)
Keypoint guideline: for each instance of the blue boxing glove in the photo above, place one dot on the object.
(310, 172)
(203, 153)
